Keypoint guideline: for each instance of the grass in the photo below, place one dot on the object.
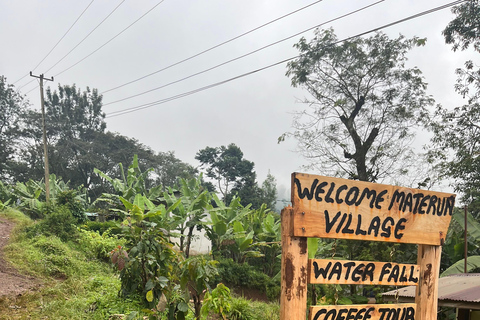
(75, 285)
(76, 281)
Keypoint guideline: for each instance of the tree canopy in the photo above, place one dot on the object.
(364, 103)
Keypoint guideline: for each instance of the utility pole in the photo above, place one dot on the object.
(45, 148)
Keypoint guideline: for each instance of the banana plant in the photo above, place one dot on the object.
(190, 212)
(473, 230)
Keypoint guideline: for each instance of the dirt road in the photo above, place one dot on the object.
(11, 283)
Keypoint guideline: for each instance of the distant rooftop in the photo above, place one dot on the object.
(458, 290)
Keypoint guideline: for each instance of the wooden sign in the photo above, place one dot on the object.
(405, 311)
(326, 207)
(362, 272)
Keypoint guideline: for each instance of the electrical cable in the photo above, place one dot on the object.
(103, 45)
(148, 105)
(101, 22)
(244, 55)
(214, 47)
(57, 41)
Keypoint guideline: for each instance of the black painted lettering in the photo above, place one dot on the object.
(411, 277)
(349, 266)
(339, 227)
(432, 204)
(440, 209)
(408, 203)
(393, 314)
(337, 269)
(352, 196)
(369, 269)
(329, 224)
(359, 227)
(398, 197)
(319, 313)
(423, 203)
(385, 270)
(410, 314)
(403, 274)
(387, 230)
(328, 196)
(374, 226)
(321, 271)
(394, 274)
(347, 226)
(450, 203)
(369, 194)
(357, 272)
(306, 193)
(360, 313)
(380, 199)
(400, 226)
(339, 190)
(340, 314)
(331, 314)
(383, 311)
(416, 197)
(319, 190)
(367, 314)
(350, 316)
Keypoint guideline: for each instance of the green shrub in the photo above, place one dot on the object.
(102, 227)
(241, 275)
(73, 202)
(98, 245)
(241, 309)
(59, 222)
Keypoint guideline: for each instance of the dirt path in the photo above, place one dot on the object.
(11, 283)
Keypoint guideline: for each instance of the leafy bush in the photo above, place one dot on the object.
(241, 309)
(98, 245)
(73, 202)
(59, 222)
(241, 275)
(102, 227)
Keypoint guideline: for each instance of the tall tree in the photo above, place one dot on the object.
(227, 167)
(12, 107)
(364, 103)
(458, 130)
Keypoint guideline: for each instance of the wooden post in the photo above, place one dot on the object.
(293, 297)
(427, 291)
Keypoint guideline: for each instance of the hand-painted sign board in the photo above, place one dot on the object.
(326, 207)
(405, 311)
(322, 271)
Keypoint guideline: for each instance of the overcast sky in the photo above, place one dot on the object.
(251, 112)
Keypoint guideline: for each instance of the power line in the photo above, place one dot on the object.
(58, 41)
(214, 47)
(81, 41)
(244, 55)
(103, 45)
(148, 105)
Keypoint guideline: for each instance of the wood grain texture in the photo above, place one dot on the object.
(326, 207)
(323, 271)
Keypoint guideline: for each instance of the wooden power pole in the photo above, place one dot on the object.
(45, 148)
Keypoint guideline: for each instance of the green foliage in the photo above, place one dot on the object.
(150, 258)
(241, 309)
(365, 102)
(59, 222)
(98, 246)
(75, 203)
(218, 302)
(195, 276)
(101, 227)
(190, 211)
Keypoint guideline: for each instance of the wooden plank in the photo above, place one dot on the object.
(426, 296)
(322, 271)
(293, 297)
(326, 207)
(404, 311)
